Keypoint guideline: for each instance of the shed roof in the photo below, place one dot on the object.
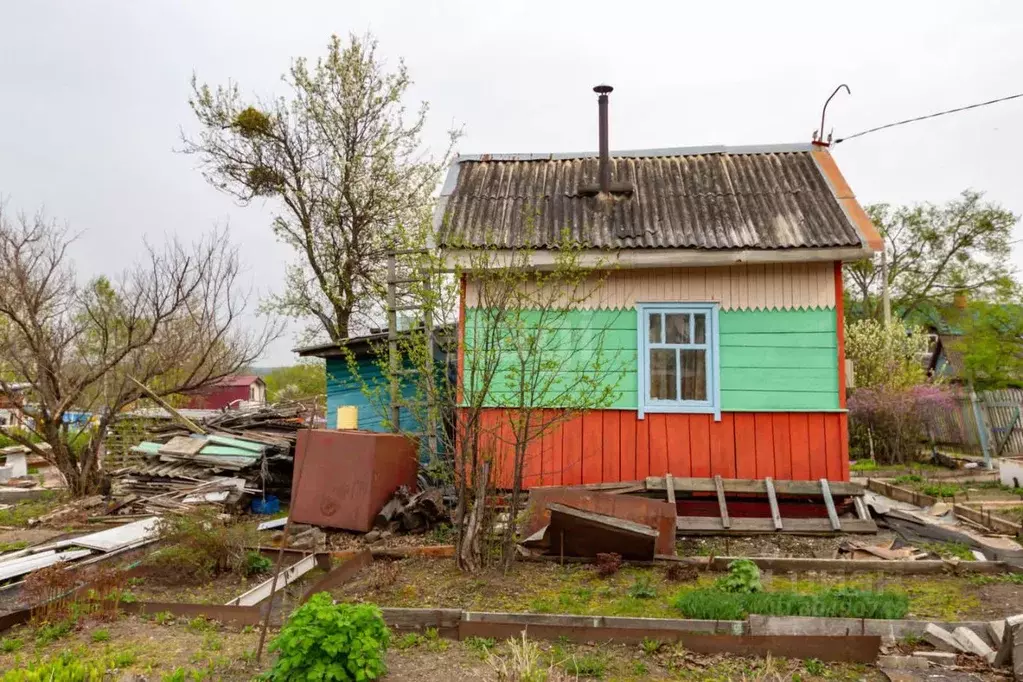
(766, 197)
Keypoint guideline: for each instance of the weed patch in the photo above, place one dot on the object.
(835, 603)
(201, 546)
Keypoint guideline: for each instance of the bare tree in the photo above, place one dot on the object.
(171, 322)
(524, 372)
(342, 164)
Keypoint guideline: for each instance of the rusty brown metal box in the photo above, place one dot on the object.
(343, 478)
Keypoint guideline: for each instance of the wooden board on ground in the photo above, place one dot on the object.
(754, 485)
(708, 525)
(657, 514)
(266, 588)
(575, 532)
(182, 446)
(340, 575)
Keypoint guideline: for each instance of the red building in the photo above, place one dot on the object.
(228, 392)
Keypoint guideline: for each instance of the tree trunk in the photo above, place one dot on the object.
(470, 554)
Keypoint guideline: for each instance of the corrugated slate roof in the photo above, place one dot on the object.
(770, 197)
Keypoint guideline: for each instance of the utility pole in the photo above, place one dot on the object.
(886, 302)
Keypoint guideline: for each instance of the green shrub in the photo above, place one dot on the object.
(66, 667)
(743, 577)
(199, 547)
(100, 635)
(941, 489)
(908, 478)
(642, 589)
(51, 632)
(256, 563)
(10, 644)
(835, 603)
(327, 641)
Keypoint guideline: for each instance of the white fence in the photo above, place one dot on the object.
(1002, 413)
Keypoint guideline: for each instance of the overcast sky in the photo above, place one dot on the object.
(93, 95)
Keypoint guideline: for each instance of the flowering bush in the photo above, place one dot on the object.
(885, 356)
(893, 420)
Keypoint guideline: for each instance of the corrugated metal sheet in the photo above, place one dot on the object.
(721, 200)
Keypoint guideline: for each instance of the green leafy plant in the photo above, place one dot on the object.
(864, 465)
(642, 588)
(815, 667)
(256, 563)
(743, 577)
(101, 635)
(410, 640)
(51, 632)
(590, 665)
(11, 644)
(481, 645)
(650, 646)
(941, 489)
(327, 641)
(524, 662)
(908, 478)
(200, 624)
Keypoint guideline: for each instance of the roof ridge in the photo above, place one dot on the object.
(703, 150)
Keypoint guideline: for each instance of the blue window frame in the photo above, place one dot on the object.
(678, 358)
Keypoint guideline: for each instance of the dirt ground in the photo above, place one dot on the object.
(578, 589)
(199, 650)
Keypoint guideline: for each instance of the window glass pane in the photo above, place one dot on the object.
(694, 374)
(663, 373)
(676, 328)
(655, 328)
(700, 332)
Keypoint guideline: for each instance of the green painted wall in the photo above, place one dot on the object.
(778, 360)
(770, 360)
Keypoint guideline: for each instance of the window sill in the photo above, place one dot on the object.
(680, 409)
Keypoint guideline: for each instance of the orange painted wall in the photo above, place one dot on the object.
(604, 446)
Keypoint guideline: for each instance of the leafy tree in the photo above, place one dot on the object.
(171, 322)
(342, 164)
(991, 345)
(301, 381)
(933, 253)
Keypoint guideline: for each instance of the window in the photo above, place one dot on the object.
(678, 370)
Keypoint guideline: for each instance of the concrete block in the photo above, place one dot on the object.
(903, 662)
(1015, 633)
(941, 639)
(970, 642)
(19, 462)
(1004, 654)
(6, 472)
(939, 657)
(996, 629)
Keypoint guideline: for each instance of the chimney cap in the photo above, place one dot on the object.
(602, 89)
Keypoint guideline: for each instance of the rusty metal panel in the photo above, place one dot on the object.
(347, 476)
(657, 514)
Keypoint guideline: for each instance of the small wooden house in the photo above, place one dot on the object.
(728, 268)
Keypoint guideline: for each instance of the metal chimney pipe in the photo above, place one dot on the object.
(605, 156)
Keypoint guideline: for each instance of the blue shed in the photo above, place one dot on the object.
(346, 389)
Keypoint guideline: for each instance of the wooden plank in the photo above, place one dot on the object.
(804, 565)
(987, 519)
(263, 590)
(745, 445)
(183, 446)
(34, 562)
(612, 443)
(627, 445)
(861, 508)
(682, 625)
(643, 447)
(833, 447)
(572, 451)
(699, 444)
(763, 424)
(445, 621)
(114, 538)
(830, 504)
(722, 446)
(680, 453)
(592, 446)
(772, 499)
(575, 532)
(900, 494)
(669, 485)
(782, 446)
(753, 485)
(817, 441)
(686, 525)
(799, 441)
(722, 504)
(658, 434)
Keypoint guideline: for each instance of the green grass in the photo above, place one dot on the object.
(942, 489)
(100, 635)
(20, 513)
(949, 550)
(589, 665)
(864, 465)
(834, 603)
(12, 546)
